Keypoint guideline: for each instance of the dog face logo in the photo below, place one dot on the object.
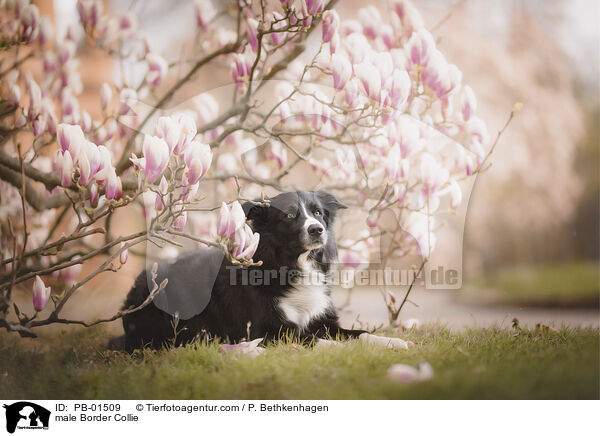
(26, 415)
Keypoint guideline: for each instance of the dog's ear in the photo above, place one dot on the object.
(254, 212)
(329, 201)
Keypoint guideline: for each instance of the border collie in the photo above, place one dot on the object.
(288, 294)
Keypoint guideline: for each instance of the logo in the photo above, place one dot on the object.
(26, 415)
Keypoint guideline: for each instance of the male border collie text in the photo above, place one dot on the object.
(289, 293)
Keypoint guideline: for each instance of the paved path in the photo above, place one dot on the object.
(456, 313)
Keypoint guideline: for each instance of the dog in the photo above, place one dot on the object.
(288, 294)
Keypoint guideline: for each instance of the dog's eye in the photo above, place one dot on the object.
(317, 212)
(290, 216)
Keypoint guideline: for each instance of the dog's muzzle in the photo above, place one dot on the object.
(314, 237)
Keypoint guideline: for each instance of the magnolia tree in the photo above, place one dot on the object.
(370, 107)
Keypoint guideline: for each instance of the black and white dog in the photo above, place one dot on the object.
(288, 294)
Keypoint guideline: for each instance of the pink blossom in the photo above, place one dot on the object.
(370, 79)
(252, 26)
(179, 221)
(245, 243)
(398, 86)
(410, 19)
(168, 129)
(331, 22)
(163, 189)
(371, 21)
(205, 13)
(341, 70)
(405, 133)
(240, 69)
(127, 25)
(278, 153)
(156, 155)
(70, 138)
(128, 99)
(420, 46)
(90, 12)
(432, 174)
(157, 69)
(63, 163)
(230, 219)
(314, 7)
(187, 131)
(351, 93)
(396, 168)
(45, 30)
(467, 102)
(357, 47)
(198, 158)
(14, 93)
(41, 294)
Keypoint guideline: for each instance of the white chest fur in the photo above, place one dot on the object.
(308, 298)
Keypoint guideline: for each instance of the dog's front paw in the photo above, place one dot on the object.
(383, 341)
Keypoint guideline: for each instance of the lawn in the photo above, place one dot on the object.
(478, 363)
(562, 285)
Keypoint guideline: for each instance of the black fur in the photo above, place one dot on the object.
(235, 309)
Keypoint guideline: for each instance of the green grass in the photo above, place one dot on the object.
(478, 363)
(574, 284)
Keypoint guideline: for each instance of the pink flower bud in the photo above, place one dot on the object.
(35, 100)
(372, 218)
(113, 188)
(124, 254)
(331, 22)
(41, 294)
(94, 196)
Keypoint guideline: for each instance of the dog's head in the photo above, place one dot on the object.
(297, 222)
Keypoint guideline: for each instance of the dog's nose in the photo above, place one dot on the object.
(315, 229)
